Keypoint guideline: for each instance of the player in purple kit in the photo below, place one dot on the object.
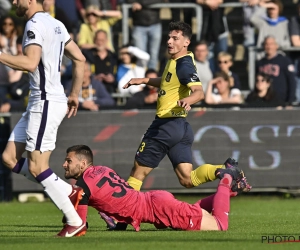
(45, 41)
(107, 192)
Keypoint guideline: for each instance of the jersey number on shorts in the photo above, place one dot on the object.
(142, 146)
(111, 181)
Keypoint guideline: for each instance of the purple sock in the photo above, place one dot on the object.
(44, 175)
(19, 165)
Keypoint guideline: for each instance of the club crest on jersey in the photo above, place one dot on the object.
(161, 92)
(168, 77)
(30, 34)
(195, 78)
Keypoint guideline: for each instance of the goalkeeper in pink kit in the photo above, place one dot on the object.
(107, 192)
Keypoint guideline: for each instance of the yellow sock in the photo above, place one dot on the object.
(135, 183)
(204, 173)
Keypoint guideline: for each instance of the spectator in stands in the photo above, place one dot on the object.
(214, 28)
(8, 44)
(93, 95)
(131, 64)
(80, 6)
(225, 94)
(60, 14)
(147, 97)
(70, 9)
(101, 5)
(225, 63)
(202, 64)
(294, 30)
(176, 11)
(103, 60)
(280, 68)
(5, 7)
(147, 29)
(15, 90)
(8, 36)
(273, 24)
(263, 94)
(249, 8)
(96, 20)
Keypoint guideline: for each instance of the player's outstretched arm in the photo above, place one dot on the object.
(78, 60)
(155, 82)
(27, 62)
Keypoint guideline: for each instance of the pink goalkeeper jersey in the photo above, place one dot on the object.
(107, 192)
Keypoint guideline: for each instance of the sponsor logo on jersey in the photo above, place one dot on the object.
(180, 113)
(195, 78)
(30, 34)
(57, 30)
(168, 77)
(191, 223)
(29, 138)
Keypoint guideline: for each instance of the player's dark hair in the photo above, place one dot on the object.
(184, 27)
(40, 1)
(82, 151)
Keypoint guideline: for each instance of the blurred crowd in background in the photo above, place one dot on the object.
(96, 26)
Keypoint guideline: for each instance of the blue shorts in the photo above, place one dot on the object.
(171, 136)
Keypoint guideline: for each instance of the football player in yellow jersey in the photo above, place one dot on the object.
(170, 134)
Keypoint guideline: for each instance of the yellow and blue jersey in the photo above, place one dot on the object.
(179, 75)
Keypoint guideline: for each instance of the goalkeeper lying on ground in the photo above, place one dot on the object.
(107, 192)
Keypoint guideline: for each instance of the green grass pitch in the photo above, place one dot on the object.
(32, 225)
